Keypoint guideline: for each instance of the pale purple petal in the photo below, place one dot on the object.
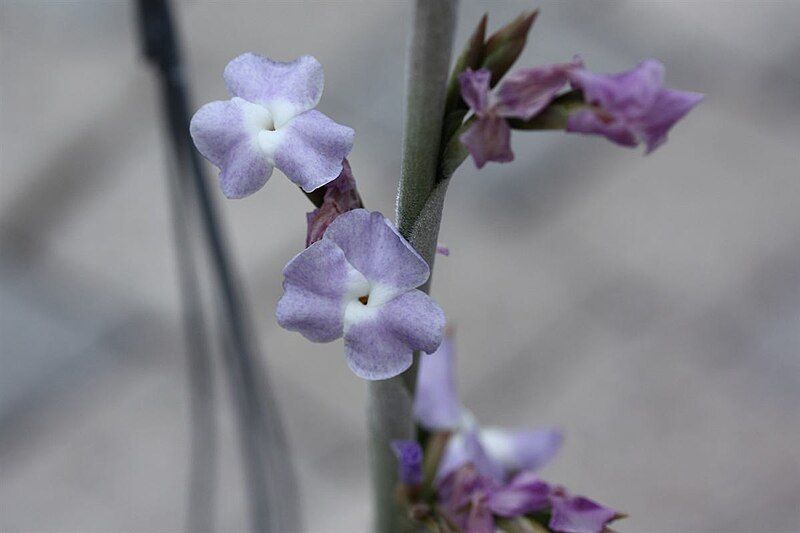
(222, 132)
(488, 139)
(519, 450)
(375, 248)
(310, 149)
(576, 514)
(286, 89)
(669, 107)
(525, 92)
(409, 461)
(589, 122)
(436, 404)
(628, 94)
(465, 448)
(379, 341)
(475, 89)
(316, 284)
(526, 493)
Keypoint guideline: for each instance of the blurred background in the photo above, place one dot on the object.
(648, 305)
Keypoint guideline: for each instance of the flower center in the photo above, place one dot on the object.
(364, 299)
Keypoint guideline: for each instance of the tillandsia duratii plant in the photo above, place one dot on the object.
(366, 280)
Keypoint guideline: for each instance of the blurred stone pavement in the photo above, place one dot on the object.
(648, 305)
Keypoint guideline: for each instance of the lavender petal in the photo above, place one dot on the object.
(488, 139)
(309, 149)
(222, 133)
(518, 450)
(436, 404)
(525, 92)
(317, 282)
(286, 89)
(375, 248)
(576, 514)
(380, 340)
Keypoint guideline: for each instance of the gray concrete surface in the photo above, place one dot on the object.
(649, 305)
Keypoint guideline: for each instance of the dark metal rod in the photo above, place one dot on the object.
(268, 470)
(203, 454)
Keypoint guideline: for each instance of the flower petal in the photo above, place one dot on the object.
(526, 493)
(309, 149)
(669, 107)
(436, 404)
(525, 92)
(226, 134)
(318, 283)
(521, 449)
(376, 249)
(589, 122)
(576, 514)
(475, 88)
(628, 94)
(464, 448)
(488, 139)
(379, 341)
(286, 89)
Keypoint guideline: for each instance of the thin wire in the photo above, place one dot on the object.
(268, 468)
(203, 454)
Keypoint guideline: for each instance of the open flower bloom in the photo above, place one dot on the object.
(359, 282)
(630, 107)
(494, 452)
(522, 94)
(270, 122)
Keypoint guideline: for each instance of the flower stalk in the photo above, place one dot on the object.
(389, 409)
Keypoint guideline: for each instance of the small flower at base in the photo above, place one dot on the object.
(494, 452)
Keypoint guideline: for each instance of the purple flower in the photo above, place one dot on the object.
(359, 281)
(409, 461)
(576, 514)
(523, 94)
(340, 197)
(270, 122)
(630, 107)
(471, 500)
(494, 452)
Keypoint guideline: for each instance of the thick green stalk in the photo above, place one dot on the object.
(390, 401)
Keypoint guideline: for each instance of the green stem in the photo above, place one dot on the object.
(390, 401)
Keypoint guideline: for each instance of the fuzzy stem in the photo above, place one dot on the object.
(390, 401)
